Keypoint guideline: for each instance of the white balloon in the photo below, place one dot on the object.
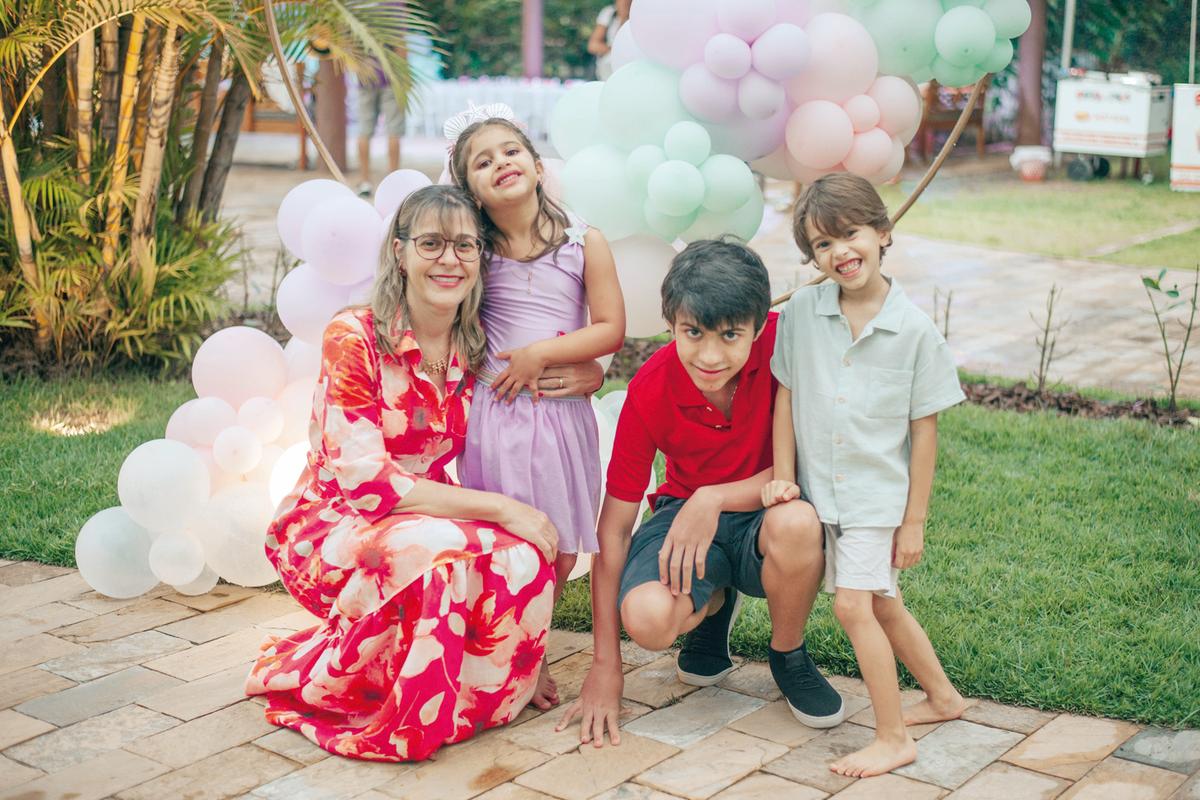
(217, 477)
(237, 450)
(112, 552)
(176, 558)
(305, 303)
(287, 471)
(266, 465)
(206, 417)
(161, 483)
(263, 416)
(233, 534)
(296, 205)
(302, 360)
(397, 186)
(342, 240)
(177, 425)
(238, 363)
(296, 400)
(202, 585)
(642, 263)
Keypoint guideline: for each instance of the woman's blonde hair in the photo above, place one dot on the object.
(548, 209)
(389, 297)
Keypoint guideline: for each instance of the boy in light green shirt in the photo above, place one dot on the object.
(862, 376)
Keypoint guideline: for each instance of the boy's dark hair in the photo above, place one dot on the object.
(836, 203)
(718, 282)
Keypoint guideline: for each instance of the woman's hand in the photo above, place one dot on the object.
(571, 380)
(525, 366)
(526, 522)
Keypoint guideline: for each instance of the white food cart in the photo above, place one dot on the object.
(1097, 116)
(1185, 144)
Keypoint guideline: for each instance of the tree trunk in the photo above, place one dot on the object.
(162, 98)
(151, 47)
(52, 100)
(22, 228)
(110, 79)
(85, 76)
(1029, 77)
(331, 110)
(202, 131)
(129, 87)
(221, 160)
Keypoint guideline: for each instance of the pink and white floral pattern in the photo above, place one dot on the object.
(434, 628)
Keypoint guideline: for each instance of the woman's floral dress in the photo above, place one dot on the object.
(434, 628)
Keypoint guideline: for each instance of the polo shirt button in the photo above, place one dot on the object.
(845, 362)
(839, 478)
(837, 440)
(841, 400)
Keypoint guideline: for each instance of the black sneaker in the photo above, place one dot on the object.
(812, 700)
(704, 658)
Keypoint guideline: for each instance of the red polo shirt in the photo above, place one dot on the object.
(665, 412)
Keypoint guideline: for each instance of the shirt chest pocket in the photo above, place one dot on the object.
(889, 392)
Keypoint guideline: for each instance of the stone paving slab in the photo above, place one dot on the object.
(178, 725)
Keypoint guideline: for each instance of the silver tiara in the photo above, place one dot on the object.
(465, 119)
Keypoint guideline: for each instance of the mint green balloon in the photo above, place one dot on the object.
(999, 58)
(639, 104)
(666, 226)
(742, 223)
(952, 75)
(688, 141)
(903, 33)
(964, 36)
(676, 188)
(574, 122)
(596, 188)
(728, 183)
(949, 4)
(641, 162)
(1011, 17)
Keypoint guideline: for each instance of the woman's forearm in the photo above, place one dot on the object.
(444, 500)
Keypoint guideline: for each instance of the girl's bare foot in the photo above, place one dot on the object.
(876, 758)
(930, 711)
(545, 695)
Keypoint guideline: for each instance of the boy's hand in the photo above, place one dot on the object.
(598, 706)
(909, 545)
(687, 542)
(525, 365)
(779, 492)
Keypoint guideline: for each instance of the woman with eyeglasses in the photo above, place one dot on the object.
(435, 599)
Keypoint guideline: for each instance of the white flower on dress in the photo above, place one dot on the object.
(518, 565)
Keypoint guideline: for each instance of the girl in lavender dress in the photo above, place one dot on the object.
(547, 275)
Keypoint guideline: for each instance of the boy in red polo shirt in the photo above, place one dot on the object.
(706, 402)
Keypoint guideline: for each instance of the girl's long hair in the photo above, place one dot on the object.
(548, 209)
(389, 299)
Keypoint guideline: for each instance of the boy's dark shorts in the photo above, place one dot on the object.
(733, 558)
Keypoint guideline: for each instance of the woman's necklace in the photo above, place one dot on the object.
(437, 367)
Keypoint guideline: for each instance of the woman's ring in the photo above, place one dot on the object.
(560, 383)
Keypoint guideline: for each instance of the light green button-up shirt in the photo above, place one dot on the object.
(852, 400)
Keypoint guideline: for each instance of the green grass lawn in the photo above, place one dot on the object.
(1057, 217)
(1062, 568)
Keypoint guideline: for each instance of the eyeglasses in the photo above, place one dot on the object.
(431, 246)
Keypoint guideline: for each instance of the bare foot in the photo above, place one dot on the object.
(545, 696)
(876, 758)
(929, 711)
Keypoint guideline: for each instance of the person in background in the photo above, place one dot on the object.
(375, 98)
(608, 23)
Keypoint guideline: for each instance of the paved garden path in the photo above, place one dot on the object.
(142, 700)
(1110, 340)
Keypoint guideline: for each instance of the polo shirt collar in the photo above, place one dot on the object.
(890, 316)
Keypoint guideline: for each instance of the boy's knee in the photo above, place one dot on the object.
(791, 532)
(887, 609)
(853, 608)
(648, 616)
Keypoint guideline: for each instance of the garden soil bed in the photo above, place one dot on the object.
(1017, 397)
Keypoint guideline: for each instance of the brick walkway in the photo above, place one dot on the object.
(141, 700)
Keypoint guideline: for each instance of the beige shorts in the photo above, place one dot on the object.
(376, 101)
(860, 558)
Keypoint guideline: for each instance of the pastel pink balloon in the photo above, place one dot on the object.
(773, 165)
(306, 303)
(843, 61)
(706, 96)
(746, 19)
(899, 104)
(238, 363)
(263, 416)
(342, 238)
(870, 152)
(657, 30)
(395, 187)
(794, 12)
(237, 450)
(296, 400)
(892, 168)
(749, 139)
(552, 177)
(303, 360)
(820, 134)
(289, 220)
(807, 175)
(782, 52)
(863, 111)
(207, 417)
(760, 97)
(625, 49)
(177, 425)
(217, 477)
(727, 56)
